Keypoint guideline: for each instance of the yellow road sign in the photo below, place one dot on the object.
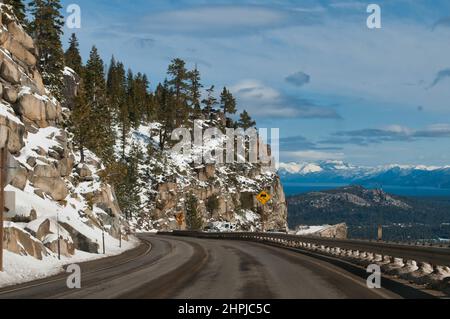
(263, 197)
(180, 218)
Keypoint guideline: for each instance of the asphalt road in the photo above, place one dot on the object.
(172, 267)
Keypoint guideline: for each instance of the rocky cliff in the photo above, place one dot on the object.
(49, 191)
(339, 231)
(224, 193)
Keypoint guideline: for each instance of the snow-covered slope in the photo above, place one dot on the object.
(49, 191)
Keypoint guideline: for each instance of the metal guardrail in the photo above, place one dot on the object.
(432, 255)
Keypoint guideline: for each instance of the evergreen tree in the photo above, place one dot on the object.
(166, 113)
(193, 218)
(149, 109)
(47, 29)
(210, 102)
(178, 83)
(228, 102)
(130, 188)
(101, 115)
(194, 91)
(177, 70)
(80, 119)
(116, 87)
(246, 121)
(132, 107)
(18, 9)
(141, 97)
(72, 57)
(149, 175)
(137, 92)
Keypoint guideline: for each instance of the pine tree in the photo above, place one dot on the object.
(101, 115)
(194, 92)
(80, 119)
(131, 201)
(141, 97)
(132, 108)
(117, 96)
(18, 9)
(166, 113)
(137, 91)
(72, 57)
(246, 121)
(228, 102)
(179, 85)
(47, 29)
(210, 102)
(177, 70)
(193, 218)
(148, 109)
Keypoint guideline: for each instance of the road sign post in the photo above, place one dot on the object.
(380, 232)
(180, 218)
(120, 236)
(263, 198)
(103, 240)
(58, 234)
(2, 200)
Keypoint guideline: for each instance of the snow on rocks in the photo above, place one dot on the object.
(49, 194)
(222, 190)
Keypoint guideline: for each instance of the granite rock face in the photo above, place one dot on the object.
(45, 177)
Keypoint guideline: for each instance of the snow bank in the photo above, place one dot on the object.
(21, 269)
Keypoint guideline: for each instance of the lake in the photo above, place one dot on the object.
(301, 188)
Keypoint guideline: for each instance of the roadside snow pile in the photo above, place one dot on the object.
(20, 269)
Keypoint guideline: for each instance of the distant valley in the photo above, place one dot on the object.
(403, 218)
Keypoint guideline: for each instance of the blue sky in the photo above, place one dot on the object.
(336, 89)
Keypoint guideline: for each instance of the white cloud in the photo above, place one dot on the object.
(216, 20)
(254, 89)
(302, 156)
(263, 100)
(347, 59)
(399, 129)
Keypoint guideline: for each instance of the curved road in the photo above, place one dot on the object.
(189, 268)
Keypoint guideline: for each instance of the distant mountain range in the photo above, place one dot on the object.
(343, 173)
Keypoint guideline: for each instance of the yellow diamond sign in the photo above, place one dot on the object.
(263, 198)
(180, 218)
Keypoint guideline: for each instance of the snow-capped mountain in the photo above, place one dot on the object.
(341, 172)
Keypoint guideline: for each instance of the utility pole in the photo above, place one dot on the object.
(120, 237)
(2, 200)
